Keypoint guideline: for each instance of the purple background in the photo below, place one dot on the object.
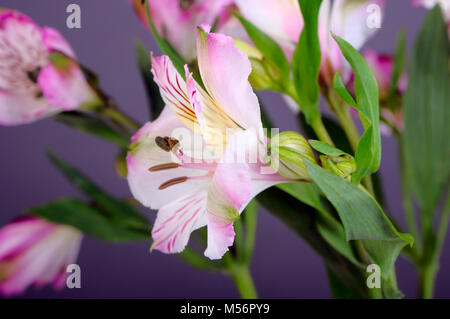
(283, 265)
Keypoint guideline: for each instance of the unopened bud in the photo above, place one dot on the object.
(342, 166)
(288, 152)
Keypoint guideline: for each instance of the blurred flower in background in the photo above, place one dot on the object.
(177, 20)
(283, 21)
(38, 74)
(36, 252)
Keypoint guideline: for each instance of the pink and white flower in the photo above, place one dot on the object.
(36, 252)
(283, 21)
(38, 74)
(206, 177)
(176, 20)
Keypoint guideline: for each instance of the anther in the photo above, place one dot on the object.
(166, 143)
(163, 167)
(173, 181)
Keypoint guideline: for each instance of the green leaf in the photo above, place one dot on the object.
(330, 229)
(326, 148)
(307, 193)
(144, 65)
(306, 61)
(427, 112)
(362, 217)
(92, 125)
(342, 90)
(302, 219)
(368, 155)
(119, 211)
(268, 47)
(89, 220)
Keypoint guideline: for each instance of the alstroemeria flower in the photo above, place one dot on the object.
(283, 21)
(38, 74)
(206, 177)
(36, 252)
(176, 20)
(429, 4)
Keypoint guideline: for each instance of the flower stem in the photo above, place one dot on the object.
(321, 131)
(115, 114)
(243, 280)
(427, 278)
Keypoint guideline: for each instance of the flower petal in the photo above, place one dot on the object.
(54, 41)
(63, 84)
(224, 70)
(176, 221)
(173, 91)
(18, 109)
(349, 20)
(228, 193)
(220, 237)
(281, 20)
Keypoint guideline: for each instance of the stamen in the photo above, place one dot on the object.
(166, 143)
(173, 181)
(163, 167)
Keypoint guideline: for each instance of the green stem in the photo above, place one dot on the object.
(116, 115)
(433, 247)
(321, 131)
(243, 280)
(317, 125)
(427, 279)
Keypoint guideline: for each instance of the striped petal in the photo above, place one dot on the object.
(225, 70)
(177, 220)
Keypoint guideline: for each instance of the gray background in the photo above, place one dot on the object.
(283, 265)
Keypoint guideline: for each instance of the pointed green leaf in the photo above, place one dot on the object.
(89, 220)
(92, 125)
(368, 155)
(325, 148)
(306, 61)
(342, 90)
(119, 211)
(362, 217)
(427, 112)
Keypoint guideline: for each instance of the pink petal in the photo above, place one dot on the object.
(16, 109)
(43, 260)
(173, 91)
(220, 237)
(281, 20)
(225, 70)
(177, 220)
(54, 41)
(66, 88)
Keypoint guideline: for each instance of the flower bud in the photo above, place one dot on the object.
(287, 152)
(342, 166)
